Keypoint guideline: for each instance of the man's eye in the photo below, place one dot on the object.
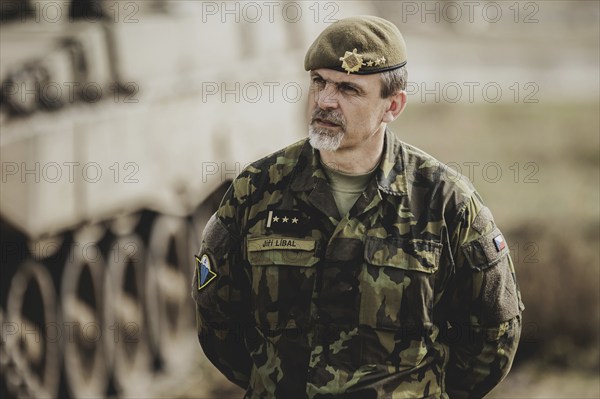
(348, 89)
(318, 81)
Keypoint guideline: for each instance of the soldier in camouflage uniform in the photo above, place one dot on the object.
(356, 267)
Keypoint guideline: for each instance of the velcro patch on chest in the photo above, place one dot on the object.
(266, 244)
(286, 221)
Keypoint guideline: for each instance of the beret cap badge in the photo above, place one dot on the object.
(352, 61)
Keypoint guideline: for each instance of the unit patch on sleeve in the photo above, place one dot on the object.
(205, 274)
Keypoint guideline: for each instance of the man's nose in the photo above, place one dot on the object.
(327, 98)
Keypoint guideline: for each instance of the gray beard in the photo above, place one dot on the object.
(324, 140)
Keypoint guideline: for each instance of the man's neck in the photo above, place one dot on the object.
(358, 159)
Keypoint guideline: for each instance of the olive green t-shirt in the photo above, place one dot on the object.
(346, 188)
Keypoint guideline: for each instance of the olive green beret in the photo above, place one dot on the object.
(363, 44)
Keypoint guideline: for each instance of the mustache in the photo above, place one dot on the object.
(328, 116)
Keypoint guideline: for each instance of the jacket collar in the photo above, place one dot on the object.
(391, 174)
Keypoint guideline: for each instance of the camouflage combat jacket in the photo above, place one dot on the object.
(412, 294)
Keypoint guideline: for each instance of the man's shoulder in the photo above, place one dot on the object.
(424, 169)
(287, 156)
(416, 156)
(272, 168)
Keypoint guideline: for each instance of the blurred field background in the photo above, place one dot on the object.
(532, 151)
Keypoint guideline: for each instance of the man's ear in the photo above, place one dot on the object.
(397, 104)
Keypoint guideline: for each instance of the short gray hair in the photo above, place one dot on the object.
(393, 81)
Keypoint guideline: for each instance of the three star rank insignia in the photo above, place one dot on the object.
(286, 221)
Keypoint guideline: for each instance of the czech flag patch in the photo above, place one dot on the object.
(205, 274)
(499, 242)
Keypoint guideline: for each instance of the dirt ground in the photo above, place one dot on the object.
(532, 381)
(529, 381)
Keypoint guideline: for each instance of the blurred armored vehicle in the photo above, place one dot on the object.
(121, 125)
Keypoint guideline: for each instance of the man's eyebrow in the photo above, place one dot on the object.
(338, 84)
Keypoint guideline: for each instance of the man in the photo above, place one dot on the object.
(349, 265)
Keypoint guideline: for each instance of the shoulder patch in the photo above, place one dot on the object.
(205, 274)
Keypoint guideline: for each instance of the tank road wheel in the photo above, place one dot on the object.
(83, 308)
(34, 349)
(125, 224)
(125, 316)
(169, 289)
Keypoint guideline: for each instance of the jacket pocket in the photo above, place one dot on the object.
(396, 286)
(396, 282)
(283, 276)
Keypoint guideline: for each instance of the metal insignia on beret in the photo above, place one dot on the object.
(380, 61)
(205, 274)
(351, 61)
